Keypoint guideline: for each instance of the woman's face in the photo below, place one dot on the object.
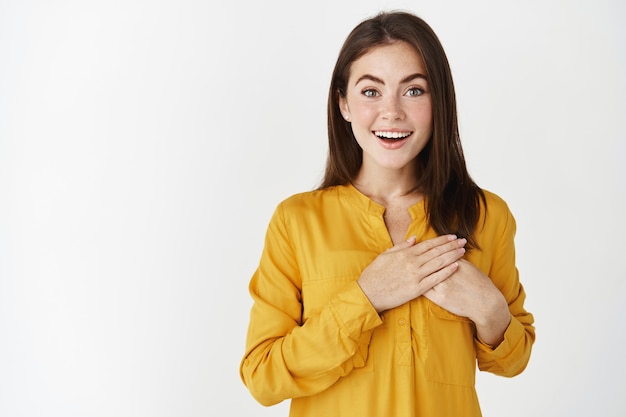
(388, 103)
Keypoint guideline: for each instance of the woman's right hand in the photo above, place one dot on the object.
(409, 269)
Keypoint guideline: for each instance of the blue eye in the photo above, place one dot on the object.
(370, 93)
(415, 92)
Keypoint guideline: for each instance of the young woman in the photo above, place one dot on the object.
(378, 293)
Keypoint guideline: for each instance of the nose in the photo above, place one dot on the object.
(392, 109)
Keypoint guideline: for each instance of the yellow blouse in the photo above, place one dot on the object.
(314, 337)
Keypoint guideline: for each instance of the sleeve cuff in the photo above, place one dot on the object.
(354, 311)
(512, 334)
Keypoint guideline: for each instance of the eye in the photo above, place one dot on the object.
(370, 92)
(415, 92)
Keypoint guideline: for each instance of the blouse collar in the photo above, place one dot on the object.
(363, 202)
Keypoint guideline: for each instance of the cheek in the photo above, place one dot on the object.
(423, 115)
(362, 113)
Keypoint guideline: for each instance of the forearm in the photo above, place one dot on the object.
(492, 324)
(511, 355)
(287, 360)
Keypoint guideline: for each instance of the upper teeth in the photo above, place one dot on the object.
(392, 135)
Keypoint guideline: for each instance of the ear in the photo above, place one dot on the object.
(345, 109)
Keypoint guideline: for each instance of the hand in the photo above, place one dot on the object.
(409, 269)
(470, 293)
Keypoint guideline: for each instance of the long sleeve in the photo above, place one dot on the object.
(288, 356)
(315, 339)
(511, 356)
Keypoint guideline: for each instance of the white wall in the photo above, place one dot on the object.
(144, 145)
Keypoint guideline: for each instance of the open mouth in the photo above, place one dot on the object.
(392, 136)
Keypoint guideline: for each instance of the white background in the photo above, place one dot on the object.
(144, 145)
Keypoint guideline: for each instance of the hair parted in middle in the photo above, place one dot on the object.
(452, 198)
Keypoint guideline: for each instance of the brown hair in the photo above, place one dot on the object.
(452, 198)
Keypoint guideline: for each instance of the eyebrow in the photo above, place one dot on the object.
(379, 81)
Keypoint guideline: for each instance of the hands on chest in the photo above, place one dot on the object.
(435, 269)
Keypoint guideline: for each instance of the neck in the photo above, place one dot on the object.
(385, 187)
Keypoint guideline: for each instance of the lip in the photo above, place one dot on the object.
(392, 144)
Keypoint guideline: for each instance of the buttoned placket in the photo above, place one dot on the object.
(402, 330)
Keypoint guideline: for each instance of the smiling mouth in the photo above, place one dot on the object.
(392, 136)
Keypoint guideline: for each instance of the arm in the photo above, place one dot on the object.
(511, 355)
(288, 357)
(492, 297)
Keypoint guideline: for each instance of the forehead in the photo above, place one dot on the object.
(397, 58)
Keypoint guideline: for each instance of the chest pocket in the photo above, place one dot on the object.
(451, 353)
(327, 272)
(316, 294)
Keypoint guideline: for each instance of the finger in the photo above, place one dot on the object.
(436, 242)
(441, 260)
(438, 277)
(403, 245)
(437, 251)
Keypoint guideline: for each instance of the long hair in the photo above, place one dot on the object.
(452, 198)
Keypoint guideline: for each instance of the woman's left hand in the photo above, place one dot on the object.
(470, 293)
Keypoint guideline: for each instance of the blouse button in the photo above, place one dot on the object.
(401, 322)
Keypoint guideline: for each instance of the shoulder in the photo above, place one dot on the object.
(495, 204)
(309, 202)
(310, 198)
(496, 217)
(304, 211)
